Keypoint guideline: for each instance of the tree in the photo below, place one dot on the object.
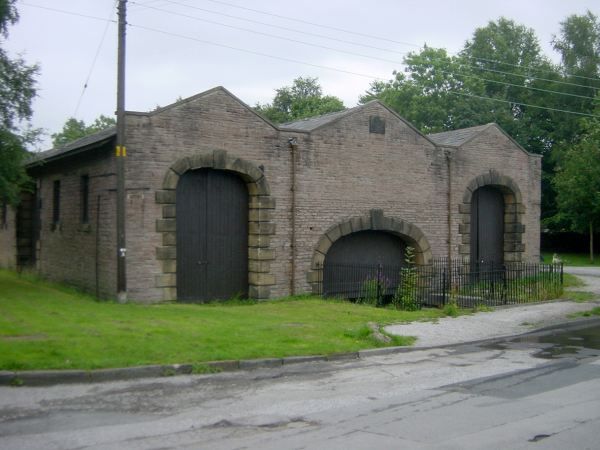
(578, 44)
(577, 183)
(301, 100)
(429, 96)
(17, 90)
(75, 129)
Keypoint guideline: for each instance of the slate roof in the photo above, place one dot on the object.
(456, 138)
(76, 146)
(313, 123)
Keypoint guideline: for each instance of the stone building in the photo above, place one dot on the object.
(219, 201)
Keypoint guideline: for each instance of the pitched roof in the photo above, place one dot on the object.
(456, 138)
(313, 123)
(76, 146)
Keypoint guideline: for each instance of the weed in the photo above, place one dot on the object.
(592, 312)
(482, 307)
(579, 297)
(17, 382)
(202, 369)
(168, 372)
(405, 297)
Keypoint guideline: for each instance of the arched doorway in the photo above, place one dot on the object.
(358, 259)
(212, 235)
(487, 226)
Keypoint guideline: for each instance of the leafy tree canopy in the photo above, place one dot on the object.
(499, 72)
(577, 183)
(17, 90)
(301, 100)
(74, 129)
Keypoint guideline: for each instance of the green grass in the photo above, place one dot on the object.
(47, 326)
(572, 259)
(592, 312)
(570, 280)
(579, 297)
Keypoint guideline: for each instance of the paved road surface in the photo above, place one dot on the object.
(497, 396)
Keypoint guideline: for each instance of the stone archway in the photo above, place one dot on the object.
(375, 221)
(260, 226)
(514, 209)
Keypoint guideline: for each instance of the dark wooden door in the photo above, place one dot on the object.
(212, 236)
(358, 257)
(487, 226)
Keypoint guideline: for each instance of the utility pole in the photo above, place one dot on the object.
(121, 154)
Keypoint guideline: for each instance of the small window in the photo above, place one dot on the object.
(85, 199)
(3, 214)
(56, 204)
(376, 125)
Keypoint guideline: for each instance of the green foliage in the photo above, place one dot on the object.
(75, 129)
(579, 297)
(370, 292)
(17, 90)
(405, 297)
(577, 181)
(592, 312)
(503, 61)
(451, 308)
(16, 382)
(202, 369)
(301, 100)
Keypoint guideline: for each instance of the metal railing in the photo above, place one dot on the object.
(463, 282)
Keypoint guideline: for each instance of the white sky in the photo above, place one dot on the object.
(163, 67)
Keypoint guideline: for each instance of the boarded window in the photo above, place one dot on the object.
(56, 203)
(3, 214)
(85, 199)
(376, 125)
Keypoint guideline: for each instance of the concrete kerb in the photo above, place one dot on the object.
(54, 377)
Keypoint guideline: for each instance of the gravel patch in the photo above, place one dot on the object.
(486, 325)
(507, 321)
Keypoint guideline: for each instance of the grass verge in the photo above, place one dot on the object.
(47, 326)
(572, 259)
(592, 312)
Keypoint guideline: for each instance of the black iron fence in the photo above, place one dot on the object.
(466, 283)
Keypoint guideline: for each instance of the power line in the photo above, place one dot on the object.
(71, 13)
(514, 102)
(504, 83)
(89, 75)
(252, 52)
(301, 62)
(344, 71)
(296, 19)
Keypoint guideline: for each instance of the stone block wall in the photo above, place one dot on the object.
(79, 254)
(8, 238)
(348, 178)
(492, 158)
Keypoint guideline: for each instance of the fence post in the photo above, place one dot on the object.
(444, 287)
(379, 282)
(561, 275)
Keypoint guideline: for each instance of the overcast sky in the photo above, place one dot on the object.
(178, 48)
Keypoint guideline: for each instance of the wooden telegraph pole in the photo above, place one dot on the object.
(121, 154)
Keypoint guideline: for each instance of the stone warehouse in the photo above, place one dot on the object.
(221, 202)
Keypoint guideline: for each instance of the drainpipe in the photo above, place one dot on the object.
(293, 143)
(449, 189)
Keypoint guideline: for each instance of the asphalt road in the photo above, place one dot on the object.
(509, 395)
